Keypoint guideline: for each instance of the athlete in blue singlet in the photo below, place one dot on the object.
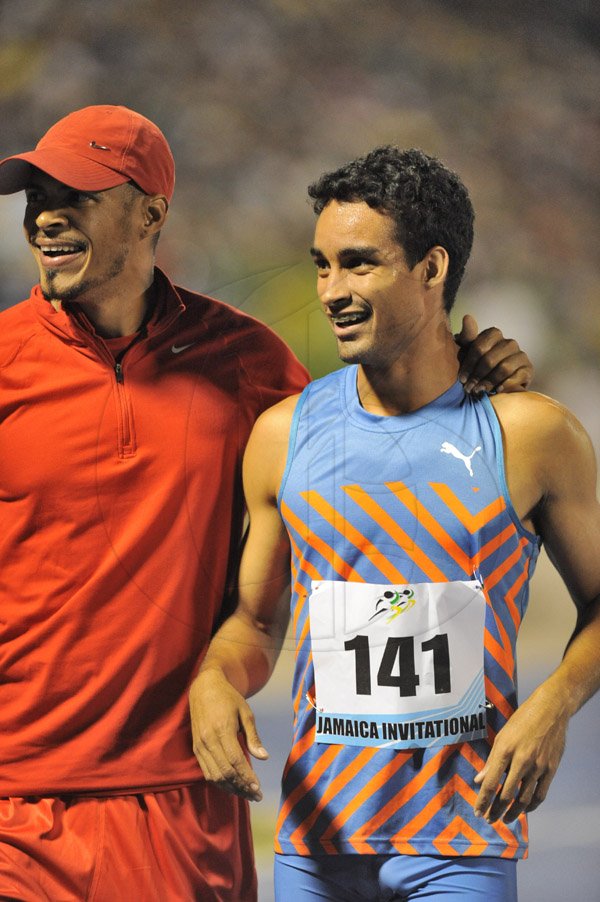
(414, 516)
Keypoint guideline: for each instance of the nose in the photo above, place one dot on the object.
(51, 218)
(333, 289)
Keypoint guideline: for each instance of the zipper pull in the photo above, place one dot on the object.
(119, 373)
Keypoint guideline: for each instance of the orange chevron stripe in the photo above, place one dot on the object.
(404, 848)
(470, 755)
(428, 521)
(374, 784)
(307, 783)
(503, 654)
(342, 780)
(444, 839)
(383, 519)
(303, 564)
(361, 846)
(298, 608)
(508, 836)
(497, 699)
(486, 550)
(298, 588)
(298, 696)
(493, 578)
(301, 637)
(297, 751)
(513, 592)
(407, 792)
(470, 796)
(321, 547)
(471, 522)
(525, 828)
(351, 534)
(455, 784)
(499, 654)
(305, 786)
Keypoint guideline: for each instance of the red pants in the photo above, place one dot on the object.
(186, 844)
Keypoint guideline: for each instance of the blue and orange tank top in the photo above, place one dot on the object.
(411, 499)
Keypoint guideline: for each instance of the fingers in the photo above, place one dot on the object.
(512, 799)
(223, 762)
(253, 742)
(492, 362)
(223, 726)
(523, 760)
(490, 780)
(524, 797)
(540, 792)
(507, 800)
(468, 332)
(520, 380)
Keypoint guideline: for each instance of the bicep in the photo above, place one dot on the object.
(568, 519)
(264, 567)
(264, 571)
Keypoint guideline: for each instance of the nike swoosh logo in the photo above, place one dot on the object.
(177, 350)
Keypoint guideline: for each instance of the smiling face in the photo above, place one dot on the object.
(85, 243)
(374, 301)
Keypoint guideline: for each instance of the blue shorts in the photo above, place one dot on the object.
(383, 878)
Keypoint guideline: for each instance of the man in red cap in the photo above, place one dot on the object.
(125, 405)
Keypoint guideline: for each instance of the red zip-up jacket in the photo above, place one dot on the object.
(120, 515)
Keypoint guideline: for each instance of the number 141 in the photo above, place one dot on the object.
(401, 650)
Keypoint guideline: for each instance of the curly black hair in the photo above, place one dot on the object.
(428, 203)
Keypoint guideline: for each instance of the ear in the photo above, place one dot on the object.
(156, 207)
(435, 266)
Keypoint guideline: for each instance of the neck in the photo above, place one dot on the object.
(112, 315)
(413, 379)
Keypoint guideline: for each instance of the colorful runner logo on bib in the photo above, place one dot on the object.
(397, 601)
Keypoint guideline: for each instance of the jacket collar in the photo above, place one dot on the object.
(71, 325)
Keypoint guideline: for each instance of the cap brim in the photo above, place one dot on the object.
(69, 168)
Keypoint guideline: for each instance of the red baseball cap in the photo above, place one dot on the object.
(96, 148)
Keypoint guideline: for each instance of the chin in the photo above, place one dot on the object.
(348, 351)
(351, 352)
(65, 293)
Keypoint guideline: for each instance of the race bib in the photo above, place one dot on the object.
(398, 666)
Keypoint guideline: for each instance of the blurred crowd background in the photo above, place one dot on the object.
(257, 98)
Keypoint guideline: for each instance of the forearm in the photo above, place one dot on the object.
(245, 652)
(577, 678)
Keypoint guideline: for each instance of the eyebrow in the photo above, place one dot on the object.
(364, 250)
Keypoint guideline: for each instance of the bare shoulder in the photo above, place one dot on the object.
(544, 437)
(266, 451)
(538, 417)
(275, 422)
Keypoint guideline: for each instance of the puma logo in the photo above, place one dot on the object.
(447, 448)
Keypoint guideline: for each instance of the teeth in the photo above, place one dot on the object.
(348, 319)
(59, 250)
